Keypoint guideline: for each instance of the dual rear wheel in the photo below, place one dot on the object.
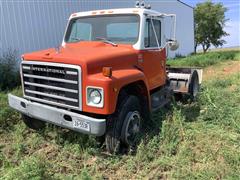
(194, 86)
(193, 89)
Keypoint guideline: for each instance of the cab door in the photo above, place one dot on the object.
(154, 57)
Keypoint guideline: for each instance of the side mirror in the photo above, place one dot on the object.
(173, 44)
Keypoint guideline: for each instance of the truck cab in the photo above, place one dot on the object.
(106, 78)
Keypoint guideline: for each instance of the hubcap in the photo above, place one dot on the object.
(132, 129)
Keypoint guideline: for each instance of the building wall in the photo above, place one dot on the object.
(185, 25)
(31, 25)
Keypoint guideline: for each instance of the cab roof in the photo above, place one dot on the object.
(139, 11)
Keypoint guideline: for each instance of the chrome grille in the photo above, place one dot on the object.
(52, 83)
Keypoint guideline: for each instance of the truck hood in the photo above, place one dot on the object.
(95, 54)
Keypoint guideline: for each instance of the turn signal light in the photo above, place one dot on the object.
(74, 15)
(107, 71)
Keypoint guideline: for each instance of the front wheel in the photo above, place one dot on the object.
(123, 128)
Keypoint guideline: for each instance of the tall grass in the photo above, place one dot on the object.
(204, 60)
(221, 102)
(28, 168)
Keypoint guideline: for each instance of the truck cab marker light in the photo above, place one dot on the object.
(74, 15)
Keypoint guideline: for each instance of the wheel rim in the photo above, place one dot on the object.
(132, 129)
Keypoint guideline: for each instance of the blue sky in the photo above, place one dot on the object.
(233, 14)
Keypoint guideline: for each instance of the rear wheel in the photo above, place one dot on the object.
(33, 123)
(194, 86)
(124, 126)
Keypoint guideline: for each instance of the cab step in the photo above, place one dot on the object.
(161, 98)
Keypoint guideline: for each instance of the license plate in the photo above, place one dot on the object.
(79, 124)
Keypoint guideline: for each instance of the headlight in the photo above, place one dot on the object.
(95, 96)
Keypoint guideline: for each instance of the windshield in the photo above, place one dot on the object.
(120, 29)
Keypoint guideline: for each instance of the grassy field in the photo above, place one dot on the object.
(199, 140)
(208, 59)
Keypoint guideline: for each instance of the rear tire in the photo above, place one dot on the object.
(33, 123)
(124, 126)
(194, 86)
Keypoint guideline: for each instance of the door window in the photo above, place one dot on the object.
(149, 37)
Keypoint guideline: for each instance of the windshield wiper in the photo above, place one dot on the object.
(105, 40)
(77, 39)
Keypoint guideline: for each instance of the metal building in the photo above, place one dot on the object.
(31, 25)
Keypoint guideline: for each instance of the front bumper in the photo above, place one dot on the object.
(57, 116)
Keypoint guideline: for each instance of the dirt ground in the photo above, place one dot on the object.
(221, 70)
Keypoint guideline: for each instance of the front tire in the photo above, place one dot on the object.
(33, 123)
(123, 127)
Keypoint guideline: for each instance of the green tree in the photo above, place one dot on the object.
(209, 23)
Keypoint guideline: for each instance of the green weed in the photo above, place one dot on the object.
(29, 168)
(204, 60)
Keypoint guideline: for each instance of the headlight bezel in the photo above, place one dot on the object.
(91, 89)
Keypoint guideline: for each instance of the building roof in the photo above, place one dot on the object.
(185, 4)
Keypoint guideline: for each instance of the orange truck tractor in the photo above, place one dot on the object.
(106, 78)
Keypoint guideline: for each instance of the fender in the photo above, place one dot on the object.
(112, 86)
